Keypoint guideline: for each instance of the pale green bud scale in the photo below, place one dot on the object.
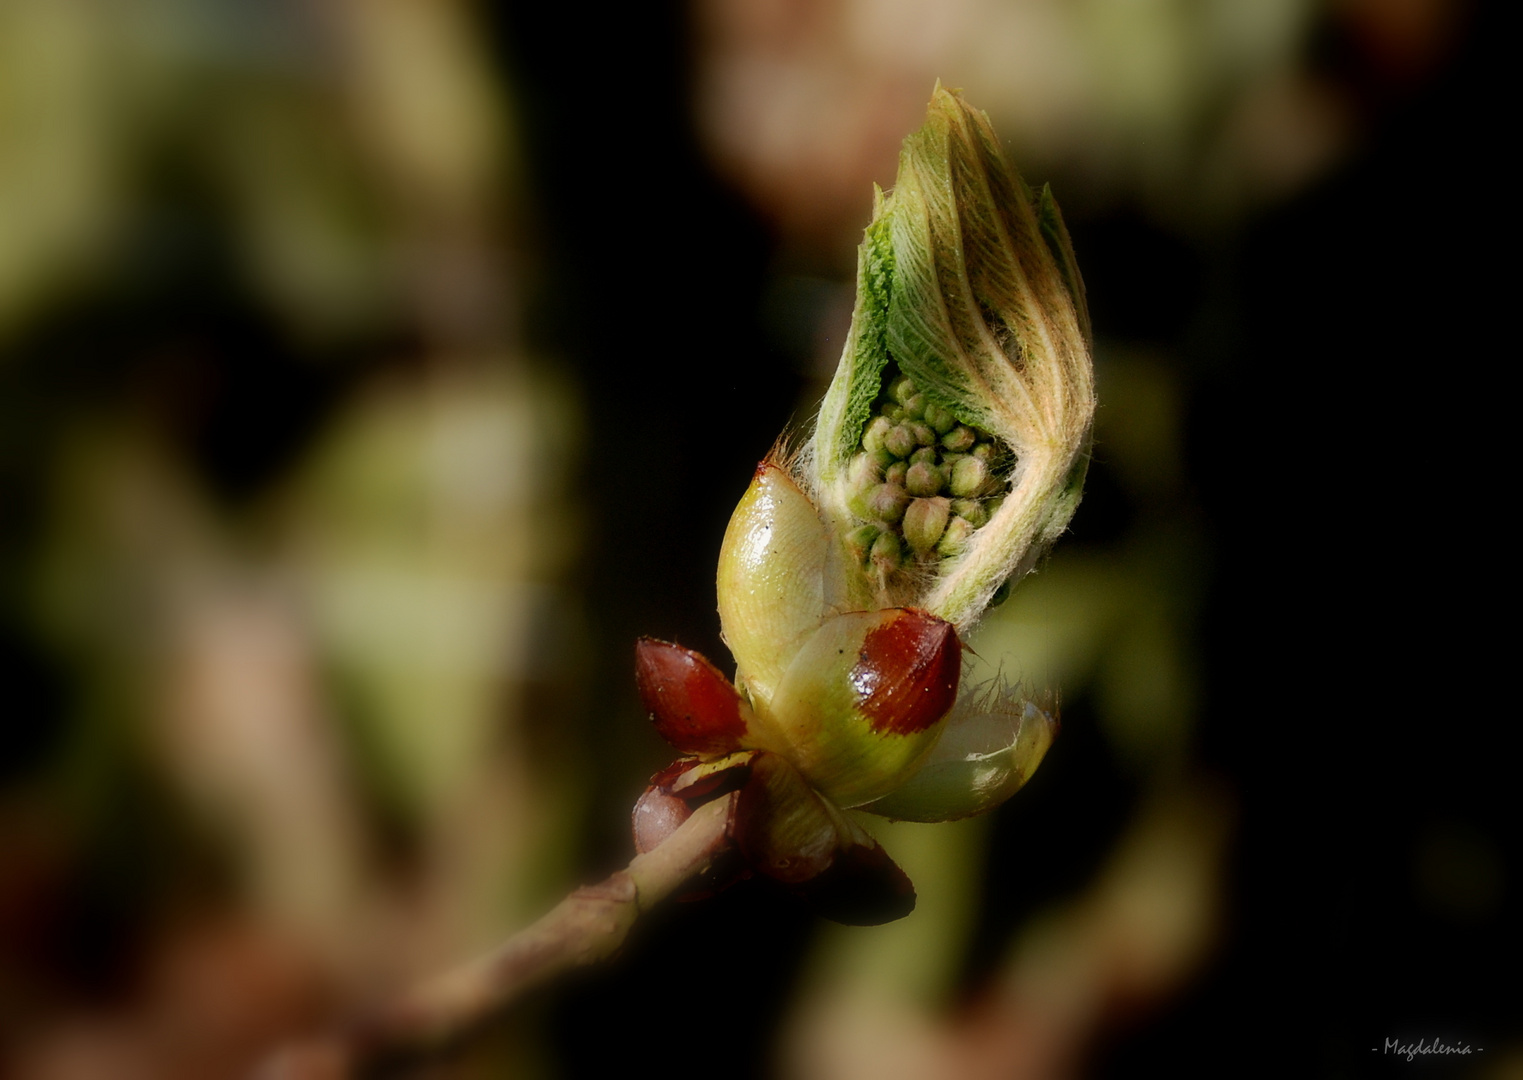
(993, 744)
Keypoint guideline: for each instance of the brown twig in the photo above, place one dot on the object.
(586, 927)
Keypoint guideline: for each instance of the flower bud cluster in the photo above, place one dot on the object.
(922, 482)
(950, 449)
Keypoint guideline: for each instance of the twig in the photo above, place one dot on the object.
(586, 927)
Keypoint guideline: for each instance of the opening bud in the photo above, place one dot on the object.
(969, 340)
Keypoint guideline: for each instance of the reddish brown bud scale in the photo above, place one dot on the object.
(665, 777)
(906, 674)
(862, 887)
(694, 707)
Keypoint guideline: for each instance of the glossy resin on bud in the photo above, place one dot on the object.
(771, 577)
(693, 706)
(865, 700)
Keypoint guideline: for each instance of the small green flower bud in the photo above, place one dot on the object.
(940, 419)
(882, 458)
(969, 476)
(887, 502)
(896, 473)
(925, 435)
(886, 554)
(972, 511)
(892, 413)
(924, 522)
(924, 480)
(915, 406)
(864, 471)
(860, 542)
(866, 478)
(955, 538)
(959, 440)
(926, 455)
(900, 441)
(986, 452)
(872, 438)
(902, 389)
(991, 506)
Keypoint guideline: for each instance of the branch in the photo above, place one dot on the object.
(585, 928)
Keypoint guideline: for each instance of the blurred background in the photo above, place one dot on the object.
(373, 373)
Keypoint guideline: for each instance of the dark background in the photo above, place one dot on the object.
(1339, 353)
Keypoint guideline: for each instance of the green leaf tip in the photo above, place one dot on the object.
(968, 288)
